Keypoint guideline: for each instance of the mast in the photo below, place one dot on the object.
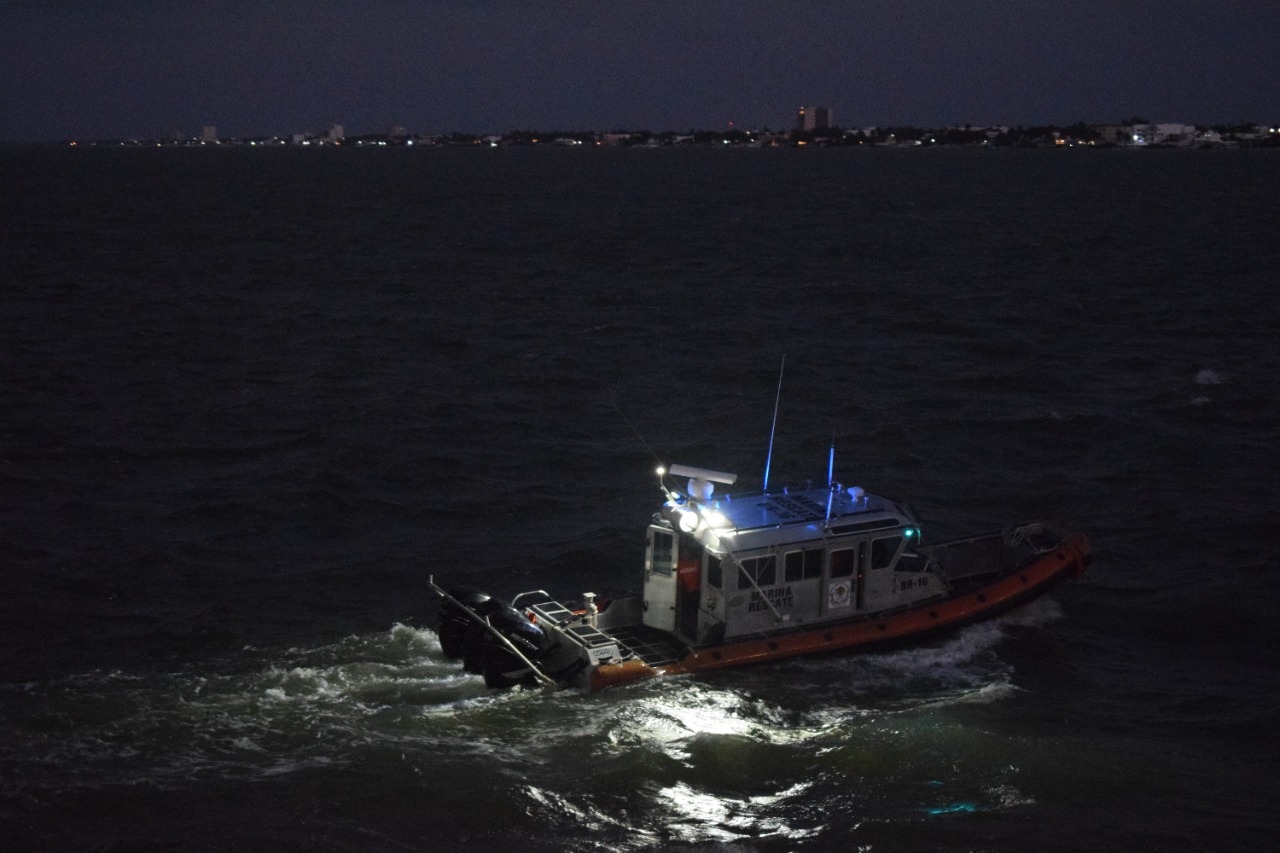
(831, 476)
(768, 460)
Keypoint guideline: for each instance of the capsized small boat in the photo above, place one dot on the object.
(751, 578)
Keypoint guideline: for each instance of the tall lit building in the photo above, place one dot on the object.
(814, 118)
(209, 133)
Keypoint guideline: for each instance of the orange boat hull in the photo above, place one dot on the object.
(1029, 581)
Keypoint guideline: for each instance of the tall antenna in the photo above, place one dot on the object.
(772, 430)
(831, 463)
(831, 476)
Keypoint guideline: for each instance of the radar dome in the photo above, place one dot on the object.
(700, 489)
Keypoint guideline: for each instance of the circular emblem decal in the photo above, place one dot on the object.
(838, 594)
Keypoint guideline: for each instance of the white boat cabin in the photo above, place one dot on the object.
(719, 568)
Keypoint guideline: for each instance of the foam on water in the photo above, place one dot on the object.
(233, 720)
(308, 708)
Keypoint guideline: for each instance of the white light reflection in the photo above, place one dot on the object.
(672, 718)
(559, 810)
(699, 816)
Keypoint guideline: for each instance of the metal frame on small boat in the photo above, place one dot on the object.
(752, 578)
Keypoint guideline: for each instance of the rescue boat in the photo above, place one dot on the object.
(750, 578)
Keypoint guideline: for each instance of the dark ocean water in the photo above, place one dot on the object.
(252, 399)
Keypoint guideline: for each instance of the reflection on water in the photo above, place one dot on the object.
(699, 816)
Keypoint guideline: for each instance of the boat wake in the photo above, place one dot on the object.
(652, 761)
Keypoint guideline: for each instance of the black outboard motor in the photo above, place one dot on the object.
(502, 667)
(456, 623)
(466, 616)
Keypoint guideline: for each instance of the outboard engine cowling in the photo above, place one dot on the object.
(455, 622)
(502, 667)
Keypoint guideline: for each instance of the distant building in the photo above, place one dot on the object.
(814, 118)
(1173, 133)
(1114, 134)
(209, 133)
(1164, 133)
(335, 134)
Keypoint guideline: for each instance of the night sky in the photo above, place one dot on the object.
(145, 68)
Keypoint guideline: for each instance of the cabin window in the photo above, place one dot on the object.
(882, 551)
(663, 552)
(714, 571)
(912, 562)
(802, 565)
(842, 562)
(762, 570)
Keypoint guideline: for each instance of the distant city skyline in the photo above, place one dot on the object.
(144, 68)
(809, 122)
(811, 130)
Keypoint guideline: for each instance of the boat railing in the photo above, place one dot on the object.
(520, 595)
(784, 491)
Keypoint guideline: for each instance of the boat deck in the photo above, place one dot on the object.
(652, 646)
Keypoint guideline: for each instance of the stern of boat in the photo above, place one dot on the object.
(976, 560)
